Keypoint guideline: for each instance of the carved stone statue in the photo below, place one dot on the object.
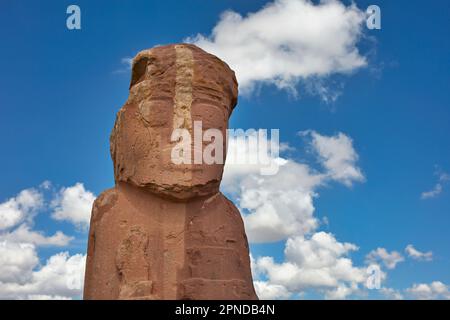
(165, 231)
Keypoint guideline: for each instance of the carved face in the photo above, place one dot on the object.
(172, 88)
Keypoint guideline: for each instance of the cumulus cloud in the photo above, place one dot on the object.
(17, 218)
(341, 292)
(273, 206)
(390, 260)
(319, 262)
(74, 204)
(23, 234)
(287, 42)
(252, 152)
(19, 208)
(17, 261)
(279, 206)
(391, 294)
(60, 278)
(22, 276)
(421, 291)
(267, 291)
(17, 213)
(337, 155)
(425, 291)
(418, 255)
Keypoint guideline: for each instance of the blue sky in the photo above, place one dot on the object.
(62, 88)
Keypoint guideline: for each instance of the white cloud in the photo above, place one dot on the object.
(438, 187)
(390, 260)
(251, 153)
(21, 274)
(46, 185)
(60, 278)
(433, 193)
(274, 207)
(17, 261)
(424, 291)
(418, 255)
(337, 155)
(288, 41)
(267, 291)
(279, 206)
(127, 63)
(318, 263)
(421, 291)
(74, 204)
(17, 218)
(341, 292)
(391, 293)
(23, 234)
(19, 208)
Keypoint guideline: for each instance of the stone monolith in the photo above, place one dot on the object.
(165, 231)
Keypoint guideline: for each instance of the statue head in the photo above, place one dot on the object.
(173, 89)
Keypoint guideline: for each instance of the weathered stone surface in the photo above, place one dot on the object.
(165, 231)
(171, 87)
